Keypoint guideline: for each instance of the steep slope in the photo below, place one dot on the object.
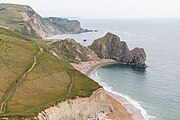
(94, 107)
(25, 20)
(32, 79)
(71, 51)
(65, 25)
(110, 46)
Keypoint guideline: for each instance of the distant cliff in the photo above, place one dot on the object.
(65, 25)
(25, 20)
(110, 46)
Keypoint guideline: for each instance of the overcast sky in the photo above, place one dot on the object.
(103, 8)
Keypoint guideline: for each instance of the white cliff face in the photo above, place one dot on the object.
(41, 27)
(89, 108)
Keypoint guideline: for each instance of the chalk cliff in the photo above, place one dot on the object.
(99, 106)
(94, 107)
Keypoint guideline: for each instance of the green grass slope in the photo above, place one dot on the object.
(32, 79)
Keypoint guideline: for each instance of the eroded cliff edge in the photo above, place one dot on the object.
(90, 108)
(111, 47)
(95, 107)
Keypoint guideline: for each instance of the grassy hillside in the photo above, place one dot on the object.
(10, 33)
(32, 79)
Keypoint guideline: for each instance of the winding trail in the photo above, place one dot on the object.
(73, 71)
(4, 27)
(72, 82)
(9, 92)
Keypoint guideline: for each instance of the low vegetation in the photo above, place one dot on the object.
(32, 79)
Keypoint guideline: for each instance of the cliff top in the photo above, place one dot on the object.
(106, 38)
(12, 11)
(13, 6)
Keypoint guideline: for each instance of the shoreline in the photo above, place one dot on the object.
(130, 110)
(89, 67)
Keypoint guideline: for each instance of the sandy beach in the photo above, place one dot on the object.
(88, 68)
(123, 108)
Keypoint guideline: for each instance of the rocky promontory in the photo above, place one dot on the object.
(111, 47)
(24, 20)
(65, 25)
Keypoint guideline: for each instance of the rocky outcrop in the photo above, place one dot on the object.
(136, 57)
(25, 20)
(95, 107)
(71, 51)
(41, 26)
(111, 47)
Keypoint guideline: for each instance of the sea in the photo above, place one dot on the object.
(155, 91)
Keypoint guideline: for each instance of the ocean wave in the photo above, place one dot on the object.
(127, 100)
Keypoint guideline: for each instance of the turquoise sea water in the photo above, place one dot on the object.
(156, 89)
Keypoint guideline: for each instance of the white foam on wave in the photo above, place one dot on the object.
(127, 100)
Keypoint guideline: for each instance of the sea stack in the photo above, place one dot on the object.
(111, 47)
